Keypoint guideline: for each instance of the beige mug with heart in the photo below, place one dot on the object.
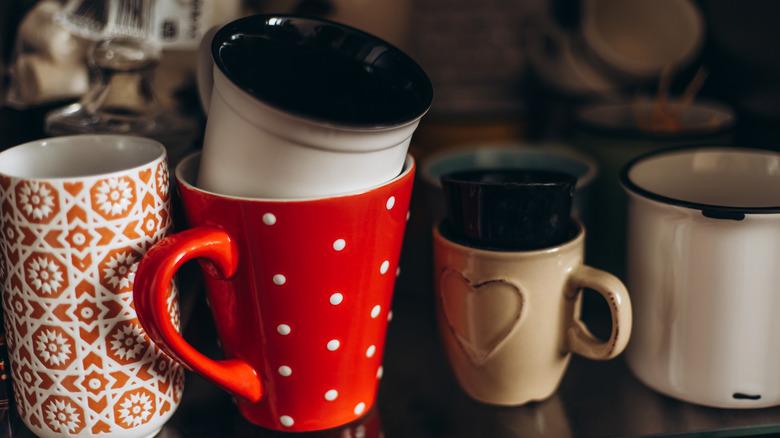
(509, 320)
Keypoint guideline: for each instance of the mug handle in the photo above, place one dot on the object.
(152, 287)
(580, 339)
(205, 71)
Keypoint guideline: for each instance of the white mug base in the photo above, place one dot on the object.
(727, 401)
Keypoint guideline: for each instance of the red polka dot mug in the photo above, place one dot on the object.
(300, 291)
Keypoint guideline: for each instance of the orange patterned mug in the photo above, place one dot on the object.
(77, 215)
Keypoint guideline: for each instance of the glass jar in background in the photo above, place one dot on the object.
(122, 63)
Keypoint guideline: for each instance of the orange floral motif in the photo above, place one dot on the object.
(53, 347)
(37, 201)
(117, 270)
(161, 366)
(10, 233)
(94, 382)
(87, 312)
(126, 343)
(79, 238)
(69, 250)
(62, 415)
(150, 224)
(113, 198)
(26, 375)
(45, 275)
(173, 307)
(135, 408)
(178, 385)
(162, 183)
(19, 306)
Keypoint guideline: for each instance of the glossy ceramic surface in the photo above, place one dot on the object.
(300, 293)
(709, 179)
(311, 157)
(509, 320)
(77, 215)
(704, 245)
(322, 70)
(509, 209)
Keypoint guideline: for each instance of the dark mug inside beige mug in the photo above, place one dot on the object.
(509, 209)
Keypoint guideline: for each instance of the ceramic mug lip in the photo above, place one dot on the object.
(577, 240)
(511, 148)
(183, 180)
(160, 156)
(719, 210)
(220, 36)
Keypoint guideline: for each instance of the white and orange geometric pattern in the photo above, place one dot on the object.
(82, 365)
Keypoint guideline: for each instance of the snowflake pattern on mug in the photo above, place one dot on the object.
(81, 363)
(37, 201)
(54, 347)
(118, 268)
(162, 183)
(113, 197)
(45, 275)
(62, 415)
(135, 408)
(126, 343)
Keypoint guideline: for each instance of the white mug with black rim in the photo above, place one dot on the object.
(300, 107)
(704, 274)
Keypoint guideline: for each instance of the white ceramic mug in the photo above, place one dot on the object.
(77, 215)
(257, 148)
(703, 258)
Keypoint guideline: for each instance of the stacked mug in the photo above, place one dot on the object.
(509, 274)
(297, 207)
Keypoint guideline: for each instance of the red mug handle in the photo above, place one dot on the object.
(152, 287)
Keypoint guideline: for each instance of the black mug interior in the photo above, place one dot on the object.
(321, 70)
(509, 209)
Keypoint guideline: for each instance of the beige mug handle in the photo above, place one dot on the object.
(580, 340)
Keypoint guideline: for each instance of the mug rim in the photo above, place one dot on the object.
(408, 169)
(220, 35)
(712, 210)
(578, 239)
(162, 155)
(557, 150)
(456, 178)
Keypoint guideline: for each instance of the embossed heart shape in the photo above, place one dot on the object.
(481, 316)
